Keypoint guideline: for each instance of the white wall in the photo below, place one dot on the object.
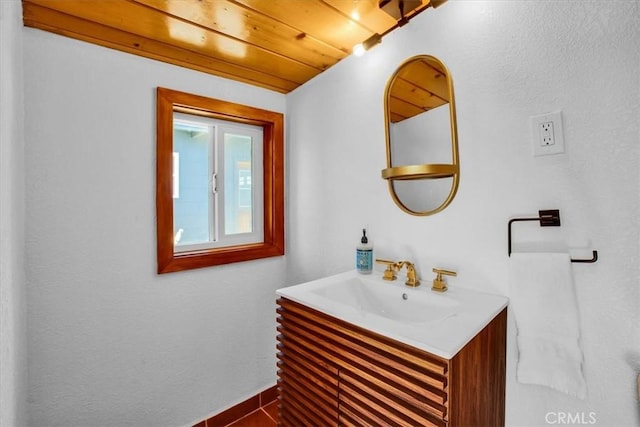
(13, 367)
(509, 60)
(111, 343)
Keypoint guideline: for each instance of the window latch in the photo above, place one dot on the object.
(214, 183)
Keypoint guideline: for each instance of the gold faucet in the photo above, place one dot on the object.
(390, 272)
(439, 283)
(393, 267)
(412, 277)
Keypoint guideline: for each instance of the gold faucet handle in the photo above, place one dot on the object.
(440, 272)
(390, 272)
(439, 283)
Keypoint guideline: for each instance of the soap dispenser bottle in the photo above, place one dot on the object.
(364, 255)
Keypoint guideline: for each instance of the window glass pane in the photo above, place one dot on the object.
(238, 188)
(192, 208)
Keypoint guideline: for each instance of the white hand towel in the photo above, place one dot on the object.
(543, 301)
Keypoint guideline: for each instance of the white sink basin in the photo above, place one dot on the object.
(440, 323)
(393, 302)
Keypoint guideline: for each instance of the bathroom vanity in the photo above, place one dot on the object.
(362, 351)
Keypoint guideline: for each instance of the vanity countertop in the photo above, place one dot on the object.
(440, 323)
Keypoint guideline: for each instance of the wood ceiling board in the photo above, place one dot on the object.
(402, 109)
(394, 118)
(276, 44)
(139, 20)
(38, 17)
(252, 27)
(366, 12)
(316, 19)
(416, 95)
(426, 76)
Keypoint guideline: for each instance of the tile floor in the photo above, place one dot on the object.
(260, 410)
(267, 416)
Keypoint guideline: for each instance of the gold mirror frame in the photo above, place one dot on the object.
(422, 171)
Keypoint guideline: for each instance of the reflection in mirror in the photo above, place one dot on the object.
(409, 138)
(422, 195)
(422, 151)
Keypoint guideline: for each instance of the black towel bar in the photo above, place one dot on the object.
(549, 218)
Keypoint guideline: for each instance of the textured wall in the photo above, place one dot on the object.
(509, 60)
(13, 368)
(111, 343)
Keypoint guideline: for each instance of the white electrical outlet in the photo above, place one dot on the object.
(546, 134)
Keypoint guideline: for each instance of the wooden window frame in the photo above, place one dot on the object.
(169, 101)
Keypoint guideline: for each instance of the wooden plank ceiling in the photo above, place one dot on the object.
(420, 86)
(275, 44)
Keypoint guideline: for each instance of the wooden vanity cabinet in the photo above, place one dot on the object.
(334, 373)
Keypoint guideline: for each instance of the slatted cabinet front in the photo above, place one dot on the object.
(333, 373)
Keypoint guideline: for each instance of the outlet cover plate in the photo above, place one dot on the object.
(547, 134)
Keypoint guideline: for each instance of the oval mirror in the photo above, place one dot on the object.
(421, 136)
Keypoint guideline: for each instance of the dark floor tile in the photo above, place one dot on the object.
(272, 410)
(234, 413)
(258, 418)
(257, 411)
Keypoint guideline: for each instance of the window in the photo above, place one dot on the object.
(220, 205)
(220, 185)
